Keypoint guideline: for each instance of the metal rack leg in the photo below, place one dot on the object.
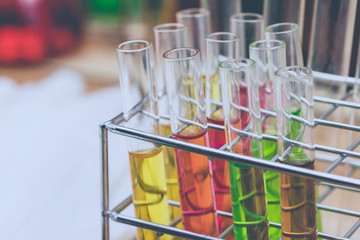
(105, 181)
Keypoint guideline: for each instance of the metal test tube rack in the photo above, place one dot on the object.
(322, 177)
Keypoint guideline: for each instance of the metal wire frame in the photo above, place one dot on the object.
(325, 178)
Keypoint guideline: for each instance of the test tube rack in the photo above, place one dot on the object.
(325, 177)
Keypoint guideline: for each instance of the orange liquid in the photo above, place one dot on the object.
(298, 206)
(196, 189)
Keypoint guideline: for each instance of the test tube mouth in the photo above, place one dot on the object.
(170, 27)
(281, 28)
(192, 12)
(222, 37)
(267, 44)
(134, 46)
(247, 17)
(180, 54)
(295, 72)
(238, 64)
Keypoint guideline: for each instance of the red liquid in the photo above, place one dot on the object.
(243, 100)
(196, 188)
(220, 173)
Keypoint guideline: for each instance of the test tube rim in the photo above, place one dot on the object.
(196, 52)
(147, 45)
(295, 27)
(180, 27)
(193, 12)
(242, 68)
(210, 39)
(291, 68)
(235, 18)
(281, 43)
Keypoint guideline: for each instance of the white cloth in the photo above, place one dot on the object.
(50, 160)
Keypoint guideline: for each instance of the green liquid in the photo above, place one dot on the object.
(248, 198)
(248, 203)
(272, 184)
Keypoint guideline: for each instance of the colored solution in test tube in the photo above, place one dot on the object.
(197, 21)
(146, 160)
(290, 34)
(189, 124)
(270, 55)
(295, 115)
(240, 91)
(168, 36)
(220, 46)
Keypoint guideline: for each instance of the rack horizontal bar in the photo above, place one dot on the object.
(236, 158)
(116, 215)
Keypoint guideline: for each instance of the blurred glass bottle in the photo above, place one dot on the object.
(32, 30)
(331, 39)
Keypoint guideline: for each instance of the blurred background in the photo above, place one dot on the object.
(59, 80)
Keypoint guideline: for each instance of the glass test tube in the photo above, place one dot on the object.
(280, 11)
(240, 89)
(168, 36)
(220, 46)
(295, 114)
(270, 55)
(188, 123)
(136, 65)
(220, 12)
(249, 27)
(197, 21)
(289, 33)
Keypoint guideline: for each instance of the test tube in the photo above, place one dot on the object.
(295, 114)
(270, 55)
(289, 33)
(220, 46)
(220, 12)
(168, 36)
(197, 21)
(279, 11)
(188, 123)
(249, 27)
(136, 66)
(240, 90)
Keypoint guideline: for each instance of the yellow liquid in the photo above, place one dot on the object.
(171, 175)
(149, 190)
